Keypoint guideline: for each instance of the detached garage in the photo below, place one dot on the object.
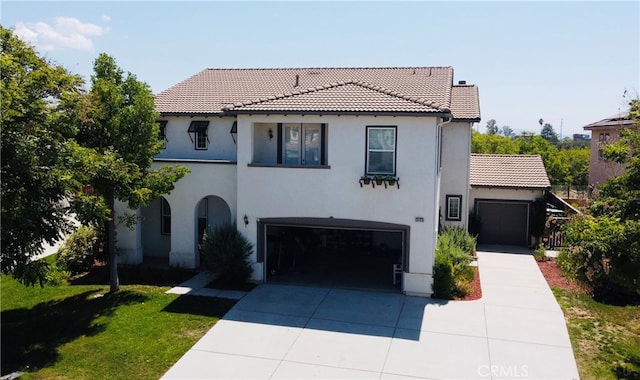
(503, 189)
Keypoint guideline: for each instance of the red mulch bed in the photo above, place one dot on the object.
(550, 271)
(476, 292)
(554, 277)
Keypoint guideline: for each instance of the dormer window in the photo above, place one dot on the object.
(198, 129)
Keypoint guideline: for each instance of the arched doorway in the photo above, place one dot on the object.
(211, 211)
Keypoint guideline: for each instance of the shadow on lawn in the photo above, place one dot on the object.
(31, 337)
(135, 275)
(198, 305)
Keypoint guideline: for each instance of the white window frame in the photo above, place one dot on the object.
(370, 150)
(454, 199)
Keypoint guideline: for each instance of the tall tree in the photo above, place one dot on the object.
(620, 196)
(507, 131)
(39, 105)
(118, 140)
(548, 133)
(492, 127)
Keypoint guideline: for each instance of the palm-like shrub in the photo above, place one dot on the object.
(225, 252)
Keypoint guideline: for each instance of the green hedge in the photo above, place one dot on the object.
(451, 271)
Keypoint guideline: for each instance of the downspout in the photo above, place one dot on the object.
(436, 190)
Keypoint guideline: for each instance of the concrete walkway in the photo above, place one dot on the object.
(516, 330)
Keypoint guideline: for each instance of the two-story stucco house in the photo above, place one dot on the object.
(336, 175)
(605, 132)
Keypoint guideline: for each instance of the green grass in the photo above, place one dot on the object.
(83, 332)
(605, 338)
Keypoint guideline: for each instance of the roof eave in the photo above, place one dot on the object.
(350, 113)
(511, 187)
(467, 119)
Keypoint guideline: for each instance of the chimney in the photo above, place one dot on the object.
(462, 82)
(297, 81)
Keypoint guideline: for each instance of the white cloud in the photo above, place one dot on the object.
(105, 18)
(66, 33)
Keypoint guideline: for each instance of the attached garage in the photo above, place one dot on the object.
(503, 190)
(333, 252)
(503, 222)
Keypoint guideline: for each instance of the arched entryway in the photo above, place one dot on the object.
(156, 228)
(211, 211)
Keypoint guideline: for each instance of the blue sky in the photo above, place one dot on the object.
(564, 62)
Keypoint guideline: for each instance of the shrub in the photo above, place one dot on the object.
(460, 238)
(77, 253)
(225, 252)
(603, 253)
(57, 275)
(540, 253)
(451, 270)
(444, 284)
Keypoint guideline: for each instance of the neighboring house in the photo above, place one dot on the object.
(604, 132)
(503, 189)
(290, 154)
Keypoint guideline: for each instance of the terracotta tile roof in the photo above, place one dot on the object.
(464, 102)
(508, 171)
(341, 97)
(407, 89)
(620, 120)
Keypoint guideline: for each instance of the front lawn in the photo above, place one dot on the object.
(83, 332)
(605, 338)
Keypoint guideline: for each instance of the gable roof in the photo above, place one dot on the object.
(465, 104)
(619, 120)
(375, 90)
(511, 171)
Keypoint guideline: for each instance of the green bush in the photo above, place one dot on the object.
(57, 275)
(451, 270)
(540, 253)
(444, 284)
(225, 252)
(77, 253)
(603, 253)
(460, 238)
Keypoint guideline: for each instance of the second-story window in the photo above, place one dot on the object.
(381, 150)
(302, 144)
(199, 131)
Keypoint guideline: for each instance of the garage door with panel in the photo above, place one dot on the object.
(503, 222)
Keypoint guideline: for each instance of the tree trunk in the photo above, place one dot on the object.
(114, 281)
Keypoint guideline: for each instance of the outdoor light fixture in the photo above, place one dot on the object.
(234, 132)
(246, 220)
(270, 133)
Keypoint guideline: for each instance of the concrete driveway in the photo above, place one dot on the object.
(516, 330)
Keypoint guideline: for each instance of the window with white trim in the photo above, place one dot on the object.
(454, 207)
(381, 150)
(165, 217)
